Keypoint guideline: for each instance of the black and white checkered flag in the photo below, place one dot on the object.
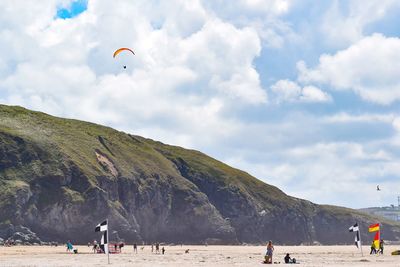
(103, 227)
(355, 229)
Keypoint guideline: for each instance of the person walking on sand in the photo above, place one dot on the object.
(135, 248)
(269, 253)
(157, 248)
(94, 246)
(152, 248)
(163, 250)
(373, 249)
(381, 246)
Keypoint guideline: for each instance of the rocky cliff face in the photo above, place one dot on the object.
(59, 178)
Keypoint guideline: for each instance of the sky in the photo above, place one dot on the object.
(302, 94)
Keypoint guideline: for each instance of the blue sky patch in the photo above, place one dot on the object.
(76, 8)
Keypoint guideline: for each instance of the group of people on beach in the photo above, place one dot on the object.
(288, 259)
(96, 247)
(9, 242)
(270, 252)
(375, 250)
(157, 246)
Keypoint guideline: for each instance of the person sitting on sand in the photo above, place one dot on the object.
(268, 254)
(288, 259)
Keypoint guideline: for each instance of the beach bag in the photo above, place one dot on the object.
(396, 252)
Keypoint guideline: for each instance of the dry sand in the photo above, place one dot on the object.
(198, 256)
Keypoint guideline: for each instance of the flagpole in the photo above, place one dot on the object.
(359, 231)
(108, 248)
(380, 237)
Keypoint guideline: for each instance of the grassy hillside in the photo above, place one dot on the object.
(59, 176)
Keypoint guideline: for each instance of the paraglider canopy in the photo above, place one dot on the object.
(122, 49)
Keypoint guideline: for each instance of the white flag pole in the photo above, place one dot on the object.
(380, 236)
(359, 232)
(108, 247)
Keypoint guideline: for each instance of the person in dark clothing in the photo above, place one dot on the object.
(135, 248)
(373, 249)
(163, 250)
(287, 258)
(381, 246)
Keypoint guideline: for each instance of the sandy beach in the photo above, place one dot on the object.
(197, 256)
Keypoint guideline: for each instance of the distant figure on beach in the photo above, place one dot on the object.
(157, 248)
(152, 248)
(381, 246)
(69, 246)
(163, 250)
(9, 242)
(135, 248)
(187, 251)
(269, 253)
(287, 259)
(373, 249)
(94, 246)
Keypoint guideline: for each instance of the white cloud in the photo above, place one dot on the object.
(322, 171)
(286, 90)
(344, 22)
(313, 94)
(250, 8)
(396, 124)
(370, 68)
(344, 117)
(263, 16)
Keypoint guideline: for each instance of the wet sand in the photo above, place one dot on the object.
(198, 256)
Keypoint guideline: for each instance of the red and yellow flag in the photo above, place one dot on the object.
(373, 228)
(376, 240)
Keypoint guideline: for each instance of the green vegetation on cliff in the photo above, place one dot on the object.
(60, 176)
